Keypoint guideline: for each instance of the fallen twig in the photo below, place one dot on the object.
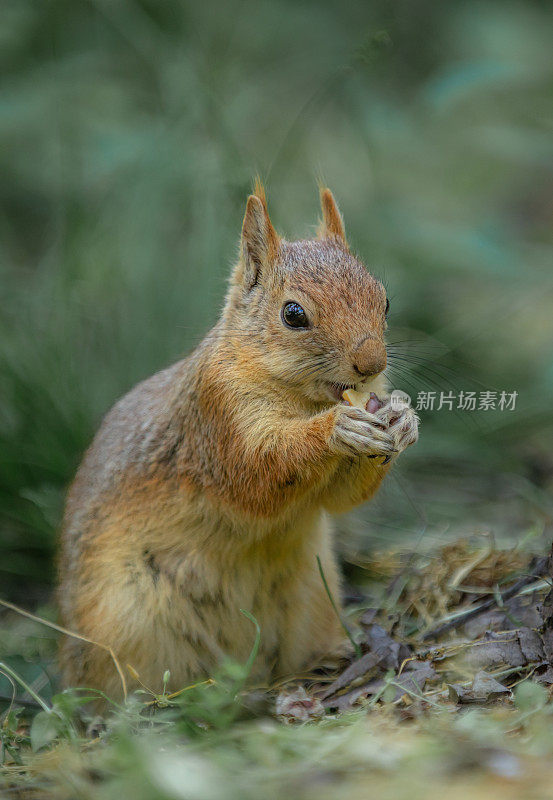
(538, 568)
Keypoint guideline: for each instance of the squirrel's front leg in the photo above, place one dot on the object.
(296, 456)
(364, 438)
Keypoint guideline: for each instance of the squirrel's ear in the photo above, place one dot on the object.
(259, 239)
(332, 223)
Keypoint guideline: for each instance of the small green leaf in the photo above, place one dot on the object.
(66, 704)
(389, 694)
(44, 729)
(530, 696)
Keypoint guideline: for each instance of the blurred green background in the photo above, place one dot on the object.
(130, 131)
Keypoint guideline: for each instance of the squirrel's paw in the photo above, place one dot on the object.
(357, 432)
(403, 426)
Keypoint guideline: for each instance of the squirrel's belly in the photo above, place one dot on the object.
(164, 609)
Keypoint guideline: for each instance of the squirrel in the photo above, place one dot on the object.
(209, 487)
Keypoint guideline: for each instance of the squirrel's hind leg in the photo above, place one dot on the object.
(311, 630)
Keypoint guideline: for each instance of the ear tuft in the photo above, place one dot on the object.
(259, 190)
(260, 241)
(332, 223)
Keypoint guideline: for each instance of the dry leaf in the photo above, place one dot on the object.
(484, 689)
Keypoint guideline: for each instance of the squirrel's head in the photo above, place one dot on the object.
(314, 315)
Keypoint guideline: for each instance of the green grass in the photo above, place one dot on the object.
(213, 740)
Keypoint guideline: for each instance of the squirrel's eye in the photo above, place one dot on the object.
(294, 316)
(387, 307)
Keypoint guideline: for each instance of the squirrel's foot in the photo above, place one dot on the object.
(358, 432)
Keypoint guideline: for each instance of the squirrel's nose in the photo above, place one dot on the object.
(369, 357)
